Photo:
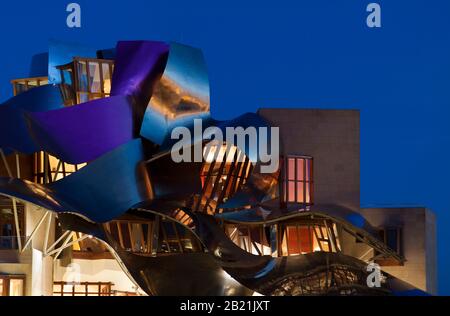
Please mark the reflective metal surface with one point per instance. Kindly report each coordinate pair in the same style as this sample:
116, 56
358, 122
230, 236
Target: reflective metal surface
83, 132
353, 222
101, 191
138, 65
318, 273
179, 96
125, 138
14, 133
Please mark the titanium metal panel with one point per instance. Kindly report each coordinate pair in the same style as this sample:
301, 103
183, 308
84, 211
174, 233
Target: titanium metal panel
138, 65
101, 191
83, 132
179, 96
14, 133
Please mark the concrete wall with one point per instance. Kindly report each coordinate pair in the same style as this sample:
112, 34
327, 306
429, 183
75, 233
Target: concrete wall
37, 270
419, 243
31, 263
331, 137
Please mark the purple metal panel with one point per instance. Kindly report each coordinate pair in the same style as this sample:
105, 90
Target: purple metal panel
83, 132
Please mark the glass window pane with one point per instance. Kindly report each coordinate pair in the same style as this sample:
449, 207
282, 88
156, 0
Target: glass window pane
308, 192
300, 191
291, 169
83, 97
293, 242
16, 287
106, 78
137, 233
300, 169
305, 239
291, 191
82, 76
94, 74
308, 163
391, 238
69, 168
67, 75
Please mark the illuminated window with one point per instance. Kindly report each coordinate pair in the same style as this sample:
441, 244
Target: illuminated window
301, 238
48, 169
25, 84
251, 238
288, 239
222, 173
86, 79
153, 236
61, 288
12, 285
8, 234
297, 184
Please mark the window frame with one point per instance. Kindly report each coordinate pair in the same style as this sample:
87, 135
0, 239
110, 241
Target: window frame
399, 231
7, 281
307, 180
21, 212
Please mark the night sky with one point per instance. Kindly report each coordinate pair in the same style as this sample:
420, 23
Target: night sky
306, 54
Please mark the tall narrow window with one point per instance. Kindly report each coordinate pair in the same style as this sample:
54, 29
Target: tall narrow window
8, 233
392, 237
297, 184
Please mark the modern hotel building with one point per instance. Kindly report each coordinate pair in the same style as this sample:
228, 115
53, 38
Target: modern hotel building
220, 227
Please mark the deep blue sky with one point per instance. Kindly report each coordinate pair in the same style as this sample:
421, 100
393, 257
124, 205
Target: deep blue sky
313, 53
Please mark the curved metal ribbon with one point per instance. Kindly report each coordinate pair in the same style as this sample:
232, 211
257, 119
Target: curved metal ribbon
14, 133
155, 88
101, 191
179, 96
83, 132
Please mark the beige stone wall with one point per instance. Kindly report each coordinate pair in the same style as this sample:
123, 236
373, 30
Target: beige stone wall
419, 243
331, 137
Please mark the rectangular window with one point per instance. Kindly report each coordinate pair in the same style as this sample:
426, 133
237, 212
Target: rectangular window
86, 79
12, 285
152, 237
8, 233
25, 84
392, 237
223, 172
297, 180
302, 238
